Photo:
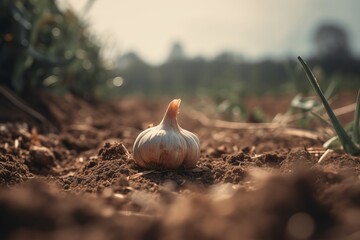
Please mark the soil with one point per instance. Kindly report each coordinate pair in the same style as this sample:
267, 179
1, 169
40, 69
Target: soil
75, 178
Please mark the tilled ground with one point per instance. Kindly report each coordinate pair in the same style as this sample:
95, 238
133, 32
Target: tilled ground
81, 182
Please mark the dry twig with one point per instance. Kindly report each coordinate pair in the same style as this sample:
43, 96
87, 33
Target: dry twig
326, 153
204, 120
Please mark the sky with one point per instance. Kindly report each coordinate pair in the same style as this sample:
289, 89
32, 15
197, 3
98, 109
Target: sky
254, 29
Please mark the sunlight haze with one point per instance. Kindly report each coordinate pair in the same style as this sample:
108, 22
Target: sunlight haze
253, 29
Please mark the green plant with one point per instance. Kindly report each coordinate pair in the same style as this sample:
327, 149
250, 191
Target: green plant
307, 109
45, 47
350, 144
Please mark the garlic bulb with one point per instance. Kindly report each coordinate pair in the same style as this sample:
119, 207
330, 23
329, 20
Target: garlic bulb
167, 145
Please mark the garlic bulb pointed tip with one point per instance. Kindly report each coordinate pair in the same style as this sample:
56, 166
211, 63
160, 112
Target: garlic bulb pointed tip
172, 110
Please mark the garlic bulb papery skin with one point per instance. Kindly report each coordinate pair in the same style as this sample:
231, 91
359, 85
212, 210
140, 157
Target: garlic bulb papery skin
167, 145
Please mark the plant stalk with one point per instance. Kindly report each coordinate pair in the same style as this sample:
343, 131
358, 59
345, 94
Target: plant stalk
347, 143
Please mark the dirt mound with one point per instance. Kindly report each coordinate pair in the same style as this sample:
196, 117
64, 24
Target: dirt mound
293, 207
81, 182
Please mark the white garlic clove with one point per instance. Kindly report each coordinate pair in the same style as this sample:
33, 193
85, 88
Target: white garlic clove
167, 145
193, 152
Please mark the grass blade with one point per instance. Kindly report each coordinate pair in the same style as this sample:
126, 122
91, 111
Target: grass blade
347, 143
323, 120
331, 89
356, 120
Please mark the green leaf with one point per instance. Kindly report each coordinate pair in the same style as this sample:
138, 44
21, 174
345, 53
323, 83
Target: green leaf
331, 89
302, 103
356, 120
348, 145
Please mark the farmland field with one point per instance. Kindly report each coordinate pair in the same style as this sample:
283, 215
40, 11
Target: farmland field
75, 177
89, 149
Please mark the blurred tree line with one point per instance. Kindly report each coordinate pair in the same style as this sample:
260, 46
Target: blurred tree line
45, 47
230, 74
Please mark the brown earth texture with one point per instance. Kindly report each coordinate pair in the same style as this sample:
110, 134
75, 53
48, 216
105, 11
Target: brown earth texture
75, 177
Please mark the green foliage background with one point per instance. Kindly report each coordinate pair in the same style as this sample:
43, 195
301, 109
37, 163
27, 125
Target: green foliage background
44, 47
